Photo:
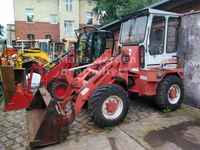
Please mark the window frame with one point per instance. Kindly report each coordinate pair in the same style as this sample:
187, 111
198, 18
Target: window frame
48, 35
31, 35
89, 17
56, 17
72, 30
165, 26
30, 13
69, 5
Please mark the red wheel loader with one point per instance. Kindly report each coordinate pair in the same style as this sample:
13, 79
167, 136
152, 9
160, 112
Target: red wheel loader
147, 64
84, 54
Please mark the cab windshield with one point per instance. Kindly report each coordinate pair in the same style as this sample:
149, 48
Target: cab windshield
133, 30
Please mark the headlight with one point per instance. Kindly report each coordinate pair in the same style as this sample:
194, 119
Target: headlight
125, 58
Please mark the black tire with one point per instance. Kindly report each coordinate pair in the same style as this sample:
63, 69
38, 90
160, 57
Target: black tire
50, 84
1, 90
1, 94
97, 100
56, 85
162, 101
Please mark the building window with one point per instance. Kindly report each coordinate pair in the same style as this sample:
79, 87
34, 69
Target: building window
69, 5
89, 18
53, 19
89, 1
69, 28
29, 15
31, 36
47, 36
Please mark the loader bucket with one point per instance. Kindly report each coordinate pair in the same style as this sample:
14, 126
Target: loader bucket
45, 124
8, 79
16, 96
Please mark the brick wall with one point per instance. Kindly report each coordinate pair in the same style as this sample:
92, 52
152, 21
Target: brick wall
39, 29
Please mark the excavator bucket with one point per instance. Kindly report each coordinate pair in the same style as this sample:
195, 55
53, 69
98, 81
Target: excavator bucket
16, 96
46, 125
8, 78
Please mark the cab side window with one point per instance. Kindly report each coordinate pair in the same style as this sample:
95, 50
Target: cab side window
102, 41
98, 43
157, 35
172, 35
109, 43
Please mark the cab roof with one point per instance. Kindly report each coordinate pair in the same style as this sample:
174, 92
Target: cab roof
145, 12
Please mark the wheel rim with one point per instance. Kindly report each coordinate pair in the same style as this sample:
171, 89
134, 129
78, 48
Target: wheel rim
112, 107
60, 92
174, 94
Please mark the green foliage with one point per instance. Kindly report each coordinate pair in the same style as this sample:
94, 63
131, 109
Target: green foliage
1, 30
116, 8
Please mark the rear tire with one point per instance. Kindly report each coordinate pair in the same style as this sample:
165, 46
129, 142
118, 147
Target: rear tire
108, 105
170, 93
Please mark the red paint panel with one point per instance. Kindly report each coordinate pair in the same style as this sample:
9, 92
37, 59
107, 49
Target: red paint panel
134, 56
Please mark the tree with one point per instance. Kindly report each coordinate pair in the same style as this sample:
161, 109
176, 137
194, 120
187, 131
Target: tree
116, 8
1, 30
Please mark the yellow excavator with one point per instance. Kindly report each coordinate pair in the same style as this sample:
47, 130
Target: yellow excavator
20, 58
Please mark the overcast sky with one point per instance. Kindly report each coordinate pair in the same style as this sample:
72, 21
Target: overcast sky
6, 12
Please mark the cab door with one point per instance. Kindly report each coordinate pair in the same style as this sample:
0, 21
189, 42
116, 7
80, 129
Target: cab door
171, 43
162, 44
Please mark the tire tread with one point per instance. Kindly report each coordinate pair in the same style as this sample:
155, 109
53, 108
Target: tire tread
96, 100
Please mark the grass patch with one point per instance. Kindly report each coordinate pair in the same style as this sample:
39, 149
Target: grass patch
109, 129
167, 110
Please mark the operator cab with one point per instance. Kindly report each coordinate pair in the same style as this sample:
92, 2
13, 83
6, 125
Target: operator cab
91, 44
155, 34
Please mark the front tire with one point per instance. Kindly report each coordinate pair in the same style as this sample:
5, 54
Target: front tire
50, 84
1, 94
108, 105
58, 91
170, 93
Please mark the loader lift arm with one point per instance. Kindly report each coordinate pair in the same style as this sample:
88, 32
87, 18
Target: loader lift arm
103, 71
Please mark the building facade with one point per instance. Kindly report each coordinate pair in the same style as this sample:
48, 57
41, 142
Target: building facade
10, 33
54, 19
